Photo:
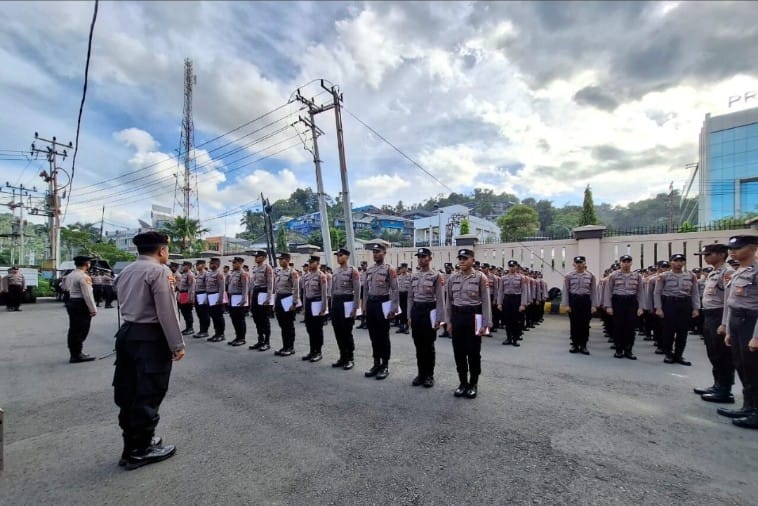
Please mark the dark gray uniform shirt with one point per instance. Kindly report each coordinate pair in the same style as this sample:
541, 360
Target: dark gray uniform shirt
672, 284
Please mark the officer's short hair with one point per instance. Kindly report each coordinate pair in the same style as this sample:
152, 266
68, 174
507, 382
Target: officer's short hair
149, 243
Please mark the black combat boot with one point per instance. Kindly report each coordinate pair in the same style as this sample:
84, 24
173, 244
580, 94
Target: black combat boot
374, 370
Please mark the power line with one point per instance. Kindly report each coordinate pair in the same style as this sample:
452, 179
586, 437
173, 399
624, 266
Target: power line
152, 195
81, 109
171, 159
208, 166
414, 162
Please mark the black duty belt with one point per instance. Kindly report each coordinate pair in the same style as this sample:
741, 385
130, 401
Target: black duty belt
674, 298
468, 309
740, 312
200, 292
183, 291
282, 295
343, 296
714, 310
424, 305
313, 299
378, 298
212, 293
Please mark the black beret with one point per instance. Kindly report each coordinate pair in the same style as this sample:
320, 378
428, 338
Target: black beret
215, 259
663, 263
403, 264
82, 259
713, 248
740, 241
187, 263
150, 239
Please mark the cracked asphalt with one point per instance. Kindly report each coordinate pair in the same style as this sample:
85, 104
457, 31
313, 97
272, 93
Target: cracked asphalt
548, 427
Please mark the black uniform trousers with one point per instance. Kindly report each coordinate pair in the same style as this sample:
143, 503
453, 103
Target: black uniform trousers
314, 325
97, 294
109, 295
719, 353
677, 315
143, 370
656, 328
13, 297
402, 318
378, 327
343, 327
203, 316
424, 335
260, 316
286, 321
467, 346
512, 316
579, 318
79, 321
624, 321
496, 318
216, 313
186, 310
237, 315
740, 327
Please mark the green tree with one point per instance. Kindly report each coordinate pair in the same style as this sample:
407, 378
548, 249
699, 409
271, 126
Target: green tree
465, 227
108, 251
546, 212
337, 235
185, 235
588, 208
281, 239
365, 234
520, 221
253, 222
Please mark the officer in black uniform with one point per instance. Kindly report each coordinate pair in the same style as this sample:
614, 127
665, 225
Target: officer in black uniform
146, 344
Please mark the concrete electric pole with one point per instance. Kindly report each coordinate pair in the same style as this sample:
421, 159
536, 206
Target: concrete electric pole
53, 199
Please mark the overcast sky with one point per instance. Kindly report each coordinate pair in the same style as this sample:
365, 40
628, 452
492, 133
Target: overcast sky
538, 99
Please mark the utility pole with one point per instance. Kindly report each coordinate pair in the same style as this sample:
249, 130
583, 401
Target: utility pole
671, 207
345, 196
102, 220
53, 199
326, 237
187, 126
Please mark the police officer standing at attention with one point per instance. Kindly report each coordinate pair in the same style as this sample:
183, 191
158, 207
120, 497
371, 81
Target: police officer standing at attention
467, 297
314, 293
97, 286
14, 285
215, 286
81, 308
580, 298
379, 287
624, 300
741, 327
719, 354
403, 285
286, 284
146, 344
239, 281
201, 299
425, 311
676, 302
262, 281
187, 297
346, 287
512, 301
108, 294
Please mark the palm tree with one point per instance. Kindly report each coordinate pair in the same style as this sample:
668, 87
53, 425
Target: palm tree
184, 234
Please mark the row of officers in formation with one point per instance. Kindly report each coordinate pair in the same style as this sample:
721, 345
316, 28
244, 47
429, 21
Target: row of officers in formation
151, 296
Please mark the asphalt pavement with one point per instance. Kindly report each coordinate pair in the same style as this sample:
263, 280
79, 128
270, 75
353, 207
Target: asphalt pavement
548, 427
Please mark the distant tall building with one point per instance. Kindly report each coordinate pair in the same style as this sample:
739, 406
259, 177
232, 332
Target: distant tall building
160, 215
728, 166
